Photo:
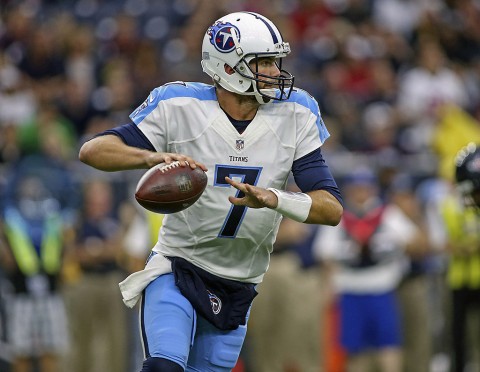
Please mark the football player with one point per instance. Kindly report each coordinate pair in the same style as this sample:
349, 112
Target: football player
462, 227
248, 131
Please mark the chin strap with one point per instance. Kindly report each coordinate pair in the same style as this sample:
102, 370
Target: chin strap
263, 99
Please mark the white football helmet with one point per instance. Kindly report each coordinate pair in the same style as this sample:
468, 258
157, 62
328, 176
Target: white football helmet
235, 40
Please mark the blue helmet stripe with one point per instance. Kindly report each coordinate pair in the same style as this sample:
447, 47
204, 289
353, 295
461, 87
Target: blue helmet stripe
272, 32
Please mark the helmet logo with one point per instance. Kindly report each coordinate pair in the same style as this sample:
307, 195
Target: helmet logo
220, 34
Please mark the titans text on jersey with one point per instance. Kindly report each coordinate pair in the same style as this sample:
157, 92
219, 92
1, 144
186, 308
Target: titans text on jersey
238, 158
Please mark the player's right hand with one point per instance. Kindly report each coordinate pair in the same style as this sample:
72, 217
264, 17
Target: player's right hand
169, 157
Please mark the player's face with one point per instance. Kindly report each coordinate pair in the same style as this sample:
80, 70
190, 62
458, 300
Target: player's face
265, 66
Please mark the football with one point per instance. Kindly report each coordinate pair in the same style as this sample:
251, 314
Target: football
170, 188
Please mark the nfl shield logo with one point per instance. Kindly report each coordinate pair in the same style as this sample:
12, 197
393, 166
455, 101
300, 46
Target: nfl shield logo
240, 144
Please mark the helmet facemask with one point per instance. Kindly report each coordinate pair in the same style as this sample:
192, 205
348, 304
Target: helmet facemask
278, 87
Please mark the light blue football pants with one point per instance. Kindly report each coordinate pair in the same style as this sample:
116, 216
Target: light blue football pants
172, 330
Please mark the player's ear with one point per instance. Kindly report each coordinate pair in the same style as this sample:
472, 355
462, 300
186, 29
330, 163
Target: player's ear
228, 69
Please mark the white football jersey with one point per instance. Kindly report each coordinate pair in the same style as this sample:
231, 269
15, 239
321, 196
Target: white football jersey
233, 242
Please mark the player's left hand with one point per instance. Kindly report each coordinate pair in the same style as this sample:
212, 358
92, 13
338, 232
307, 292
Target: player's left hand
255, 197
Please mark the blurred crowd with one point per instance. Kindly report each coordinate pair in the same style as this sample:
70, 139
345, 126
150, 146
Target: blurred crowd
398, 84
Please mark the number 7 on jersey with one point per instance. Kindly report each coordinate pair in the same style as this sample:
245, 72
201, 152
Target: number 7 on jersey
235, 216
